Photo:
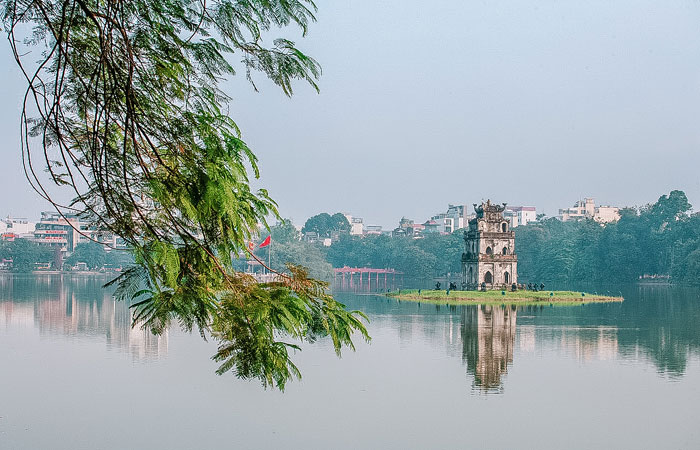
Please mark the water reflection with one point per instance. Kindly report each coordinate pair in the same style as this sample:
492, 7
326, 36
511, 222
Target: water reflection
488, 338
75, 307
655, 325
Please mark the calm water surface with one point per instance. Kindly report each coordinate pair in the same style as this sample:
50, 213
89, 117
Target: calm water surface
74, 375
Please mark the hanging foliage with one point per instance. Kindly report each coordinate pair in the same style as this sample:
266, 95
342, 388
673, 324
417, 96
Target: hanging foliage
123, 108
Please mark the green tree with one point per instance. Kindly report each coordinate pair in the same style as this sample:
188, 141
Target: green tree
119, 258
658, 238
93, 254
688, 269
302, 254
670, 208
25, 254
287, 248
123, 100
284, 232
325, 225
414, 258
340, 223
446, 249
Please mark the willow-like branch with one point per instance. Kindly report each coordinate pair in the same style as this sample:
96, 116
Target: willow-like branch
123, 108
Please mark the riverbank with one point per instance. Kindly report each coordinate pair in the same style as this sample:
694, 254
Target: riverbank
503, 297
79, 273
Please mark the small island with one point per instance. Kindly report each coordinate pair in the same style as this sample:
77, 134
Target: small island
490, 270
520, 297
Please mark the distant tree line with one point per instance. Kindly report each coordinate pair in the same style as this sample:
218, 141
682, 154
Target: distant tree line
95, 256
434, 255
661, 238
288, 248
26, 254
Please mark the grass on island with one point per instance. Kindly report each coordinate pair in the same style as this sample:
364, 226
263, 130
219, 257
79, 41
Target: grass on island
503, 297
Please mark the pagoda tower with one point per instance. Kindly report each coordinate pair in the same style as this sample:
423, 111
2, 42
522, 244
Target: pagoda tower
489, 260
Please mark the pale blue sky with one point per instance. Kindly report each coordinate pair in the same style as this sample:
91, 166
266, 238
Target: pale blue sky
428, 103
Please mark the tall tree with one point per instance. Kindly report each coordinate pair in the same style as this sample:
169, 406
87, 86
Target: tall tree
25, 254
92, 254
340, 223
123, 108
325, 225
284, 232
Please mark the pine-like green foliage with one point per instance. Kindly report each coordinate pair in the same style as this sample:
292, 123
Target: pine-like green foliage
123, 107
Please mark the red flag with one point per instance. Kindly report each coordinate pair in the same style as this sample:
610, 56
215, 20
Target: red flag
266, 242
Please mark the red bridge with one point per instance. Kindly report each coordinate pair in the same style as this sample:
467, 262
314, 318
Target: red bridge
360, 271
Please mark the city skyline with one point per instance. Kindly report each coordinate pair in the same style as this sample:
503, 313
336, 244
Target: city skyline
388, 226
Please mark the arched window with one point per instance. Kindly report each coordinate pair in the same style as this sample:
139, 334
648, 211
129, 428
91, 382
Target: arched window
505, 250
488, 278
471, 275
489, 251
504, 227
506, 277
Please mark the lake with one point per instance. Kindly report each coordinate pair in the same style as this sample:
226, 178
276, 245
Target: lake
74, 375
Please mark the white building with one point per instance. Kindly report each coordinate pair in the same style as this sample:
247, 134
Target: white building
586, 209
439, 223
57, 231
460, 217
582, 209
606, 214
520, 215
356, 224
17, 225
68, 230
456, 217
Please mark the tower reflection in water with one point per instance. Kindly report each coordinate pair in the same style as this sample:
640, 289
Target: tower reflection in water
488, 338
75, 307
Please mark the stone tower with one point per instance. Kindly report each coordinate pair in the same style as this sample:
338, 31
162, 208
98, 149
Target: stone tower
489, 260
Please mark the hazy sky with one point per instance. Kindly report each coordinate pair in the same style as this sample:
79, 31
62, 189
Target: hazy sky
428, 103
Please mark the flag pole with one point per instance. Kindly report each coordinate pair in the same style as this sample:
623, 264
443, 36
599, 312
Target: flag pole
269, 252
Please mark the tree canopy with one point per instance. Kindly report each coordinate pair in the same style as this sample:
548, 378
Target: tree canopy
24, 254
325, 225
425, 258
95, 256
123, 109
657, 239
286, 247
92, 254
662, 238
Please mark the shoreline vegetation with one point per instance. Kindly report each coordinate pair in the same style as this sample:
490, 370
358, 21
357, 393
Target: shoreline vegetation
564, 298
